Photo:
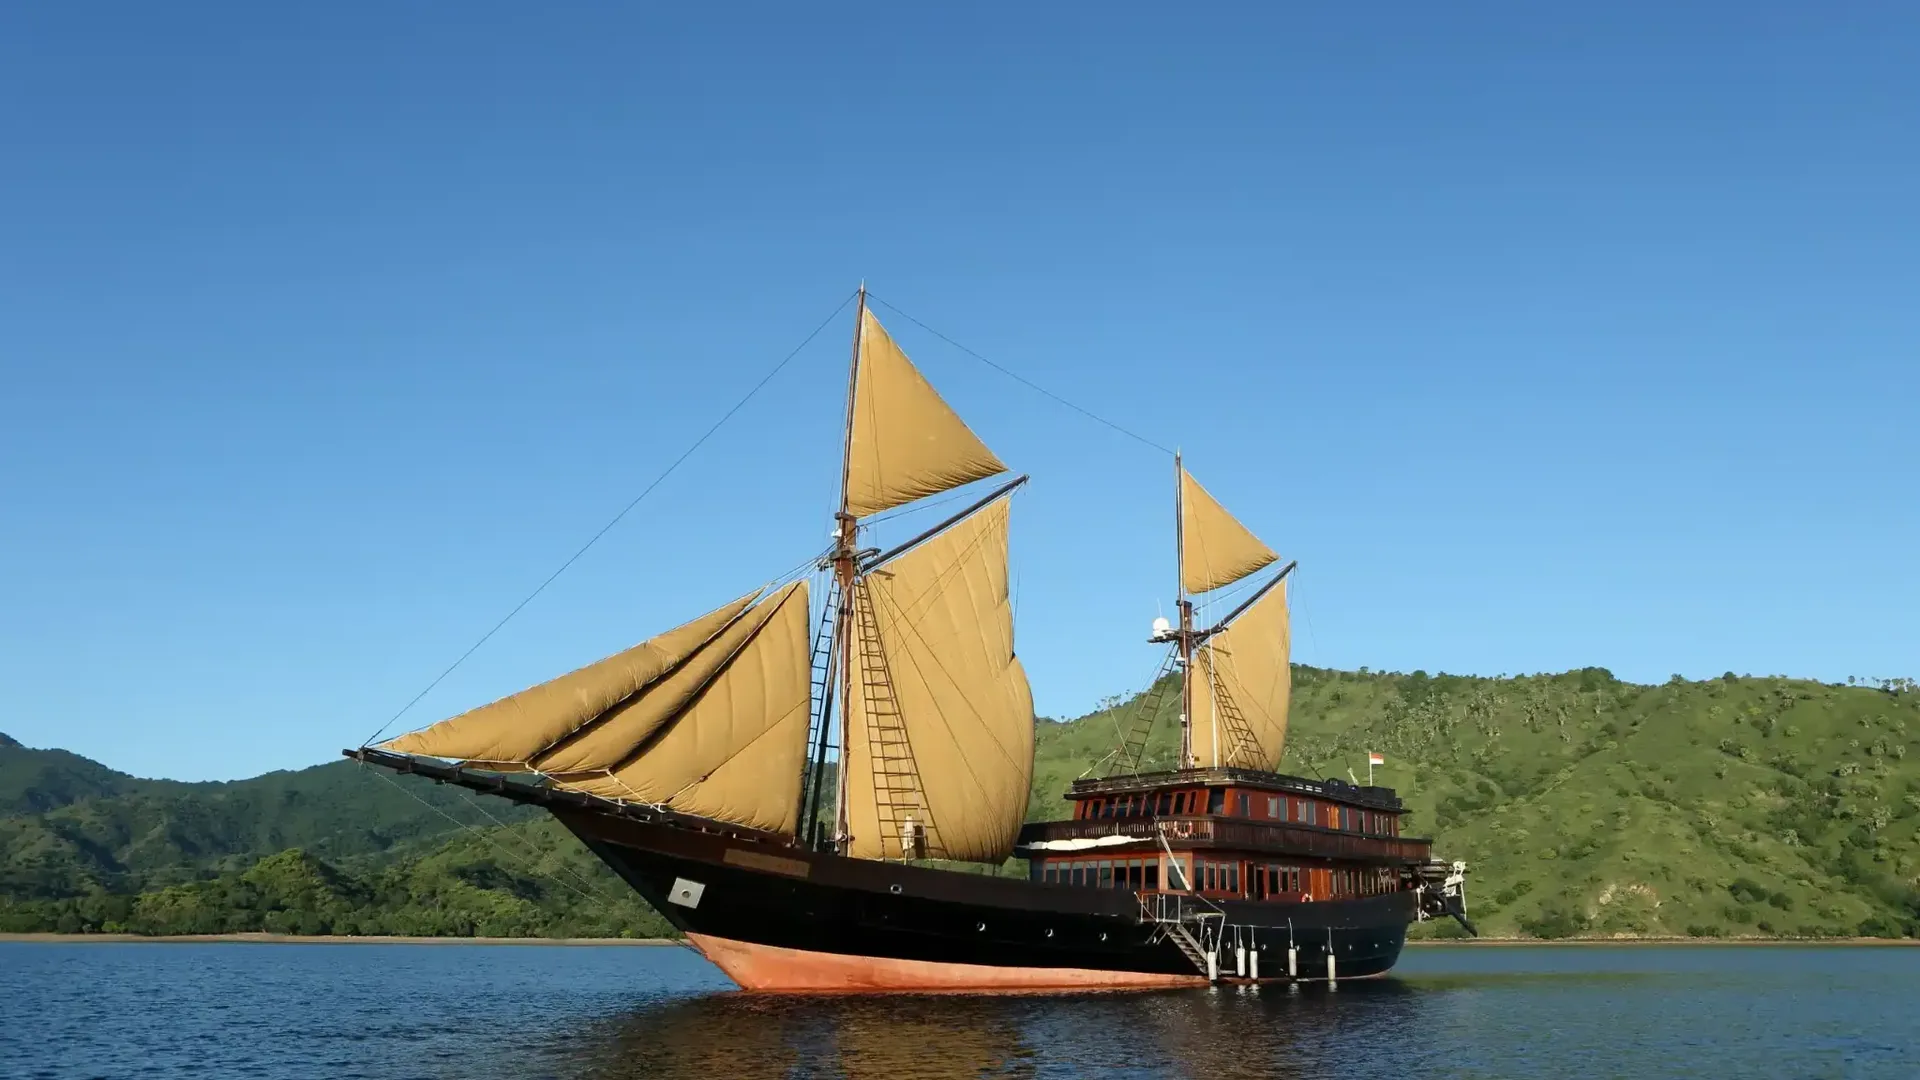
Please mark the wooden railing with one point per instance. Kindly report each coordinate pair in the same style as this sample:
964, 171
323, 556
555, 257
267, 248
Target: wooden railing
1339, 791
1191, 831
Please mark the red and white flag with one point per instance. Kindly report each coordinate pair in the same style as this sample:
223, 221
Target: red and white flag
1375, 759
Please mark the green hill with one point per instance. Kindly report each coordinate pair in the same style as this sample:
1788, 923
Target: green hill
1583, 805
70, 826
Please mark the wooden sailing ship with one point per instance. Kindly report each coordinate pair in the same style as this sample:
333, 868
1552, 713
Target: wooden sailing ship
789, 782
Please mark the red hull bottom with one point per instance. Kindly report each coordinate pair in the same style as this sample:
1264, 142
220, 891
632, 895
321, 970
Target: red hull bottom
772, 969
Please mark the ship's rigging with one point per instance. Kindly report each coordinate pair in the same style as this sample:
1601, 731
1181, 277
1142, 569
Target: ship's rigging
730, 715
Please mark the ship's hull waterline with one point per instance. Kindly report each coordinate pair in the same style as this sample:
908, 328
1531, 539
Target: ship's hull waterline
779, 919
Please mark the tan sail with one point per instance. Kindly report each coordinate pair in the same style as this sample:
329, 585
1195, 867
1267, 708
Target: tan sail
508, 733
1215, 549
735, 752
906, 442
951, 687
613, 739
1241, 686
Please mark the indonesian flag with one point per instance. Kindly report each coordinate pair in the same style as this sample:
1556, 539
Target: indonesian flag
1375, 759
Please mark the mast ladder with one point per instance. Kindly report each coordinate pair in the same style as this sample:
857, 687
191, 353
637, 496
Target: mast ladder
1133, 751
820, 708
897, 793
1246, 751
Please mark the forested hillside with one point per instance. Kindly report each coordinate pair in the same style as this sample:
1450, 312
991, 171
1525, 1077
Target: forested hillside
1584, 806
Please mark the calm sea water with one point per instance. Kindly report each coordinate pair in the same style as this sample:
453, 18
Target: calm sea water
460, 1011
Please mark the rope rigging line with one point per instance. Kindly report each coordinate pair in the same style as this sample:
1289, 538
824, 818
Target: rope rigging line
1021, 379
520, 835
483, 836
617, 518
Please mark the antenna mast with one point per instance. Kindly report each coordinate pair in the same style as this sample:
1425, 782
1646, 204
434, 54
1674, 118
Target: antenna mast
1186, 615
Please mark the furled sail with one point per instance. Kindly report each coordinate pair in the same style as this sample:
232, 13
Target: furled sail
1215, 549
709, 718
1241, 685
906, 442
508, 733
941, 728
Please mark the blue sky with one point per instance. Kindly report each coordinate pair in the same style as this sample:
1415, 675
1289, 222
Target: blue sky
1543, 337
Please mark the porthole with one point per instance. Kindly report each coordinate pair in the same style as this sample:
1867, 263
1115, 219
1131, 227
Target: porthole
1049, 931
1103, 937
894, 889
982, 928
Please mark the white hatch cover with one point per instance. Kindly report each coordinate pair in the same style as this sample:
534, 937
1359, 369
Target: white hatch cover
686, 893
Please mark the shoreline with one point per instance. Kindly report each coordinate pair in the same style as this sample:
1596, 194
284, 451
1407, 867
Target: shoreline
324, 939
1450, 943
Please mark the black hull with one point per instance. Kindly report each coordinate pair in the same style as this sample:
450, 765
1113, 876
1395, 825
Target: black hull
777, 917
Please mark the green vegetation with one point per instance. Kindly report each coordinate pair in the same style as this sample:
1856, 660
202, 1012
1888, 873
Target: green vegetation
1584, 806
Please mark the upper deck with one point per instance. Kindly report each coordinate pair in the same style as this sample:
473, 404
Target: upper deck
1257, 813
1250, 780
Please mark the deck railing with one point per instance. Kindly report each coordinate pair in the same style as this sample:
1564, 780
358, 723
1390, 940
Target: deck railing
1189, 831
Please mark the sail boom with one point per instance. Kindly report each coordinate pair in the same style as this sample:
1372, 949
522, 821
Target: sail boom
1202, 635
876, 561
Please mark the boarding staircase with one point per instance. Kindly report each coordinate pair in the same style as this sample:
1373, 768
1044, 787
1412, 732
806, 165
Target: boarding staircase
1192, 929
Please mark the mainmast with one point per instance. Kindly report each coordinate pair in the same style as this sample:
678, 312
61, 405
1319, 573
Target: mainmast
846, 569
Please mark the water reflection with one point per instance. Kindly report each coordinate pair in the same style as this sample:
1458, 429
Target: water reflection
403, 1012
1216, 1034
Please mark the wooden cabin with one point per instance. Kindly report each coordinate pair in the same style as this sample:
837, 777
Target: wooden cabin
1233, 834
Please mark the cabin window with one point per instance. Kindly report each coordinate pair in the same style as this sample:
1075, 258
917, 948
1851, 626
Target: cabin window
1233, 878
1152, 879
1246, 805
1273, 807
1216, 800
1105, 879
